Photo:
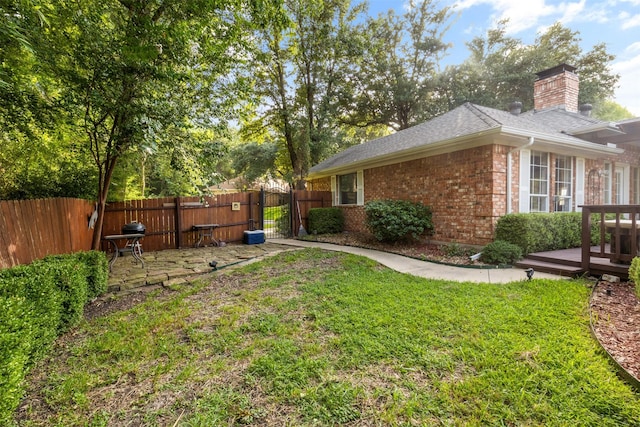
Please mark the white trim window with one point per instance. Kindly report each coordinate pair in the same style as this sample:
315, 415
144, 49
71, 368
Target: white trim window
539, 182
608, 174
563, 188
348, 189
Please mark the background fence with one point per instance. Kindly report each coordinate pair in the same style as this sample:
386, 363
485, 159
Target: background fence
32, 229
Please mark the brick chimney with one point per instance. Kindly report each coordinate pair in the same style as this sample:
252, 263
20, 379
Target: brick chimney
557, 86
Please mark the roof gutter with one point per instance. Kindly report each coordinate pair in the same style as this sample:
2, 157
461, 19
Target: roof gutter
510, 168
566, 142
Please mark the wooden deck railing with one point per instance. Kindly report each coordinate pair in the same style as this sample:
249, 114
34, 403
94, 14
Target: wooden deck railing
618, 233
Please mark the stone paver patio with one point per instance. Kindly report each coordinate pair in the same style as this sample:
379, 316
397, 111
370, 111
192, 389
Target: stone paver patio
176, 266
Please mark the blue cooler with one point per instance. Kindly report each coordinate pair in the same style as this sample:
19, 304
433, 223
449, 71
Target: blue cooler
253, 237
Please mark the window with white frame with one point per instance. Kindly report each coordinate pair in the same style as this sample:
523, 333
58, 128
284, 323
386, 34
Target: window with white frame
636, 186
608, 173
539, 182
348, 189
620, 188
562, 193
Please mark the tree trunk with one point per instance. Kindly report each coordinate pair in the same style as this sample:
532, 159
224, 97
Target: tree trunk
103, 190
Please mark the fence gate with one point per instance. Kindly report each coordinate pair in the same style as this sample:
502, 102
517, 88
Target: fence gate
276, 211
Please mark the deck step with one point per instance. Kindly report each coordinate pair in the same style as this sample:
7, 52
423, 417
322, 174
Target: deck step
552, 258
550, 267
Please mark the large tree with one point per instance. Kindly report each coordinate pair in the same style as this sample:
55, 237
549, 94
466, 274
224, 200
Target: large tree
501, 68
304, 62
394, 82
127, 70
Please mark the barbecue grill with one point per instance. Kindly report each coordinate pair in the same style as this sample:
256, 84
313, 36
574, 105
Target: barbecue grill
134, 228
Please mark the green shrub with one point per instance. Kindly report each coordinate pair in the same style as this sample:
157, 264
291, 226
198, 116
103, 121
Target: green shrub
70, 278
535, 232
456, 250
501, 252
37, 303
326, 221
97, 272
634, 274
394, 220
16, 338
283, 221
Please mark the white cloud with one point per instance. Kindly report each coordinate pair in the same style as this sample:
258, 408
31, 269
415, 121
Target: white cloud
633, 48
628, 93
631, 22
525, 15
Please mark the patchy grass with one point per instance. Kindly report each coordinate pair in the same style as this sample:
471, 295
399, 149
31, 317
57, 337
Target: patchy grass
323, 338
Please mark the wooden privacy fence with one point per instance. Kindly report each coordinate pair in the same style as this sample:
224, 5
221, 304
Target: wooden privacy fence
169, 221
33, 229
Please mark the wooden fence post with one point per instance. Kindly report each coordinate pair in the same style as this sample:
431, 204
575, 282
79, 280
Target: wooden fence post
178, 201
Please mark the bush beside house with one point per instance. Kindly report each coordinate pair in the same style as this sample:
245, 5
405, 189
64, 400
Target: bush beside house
536, 232
326, 220
38, 302
394, 220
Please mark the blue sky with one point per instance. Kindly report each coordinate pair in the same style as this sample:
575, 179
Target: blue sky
614, 22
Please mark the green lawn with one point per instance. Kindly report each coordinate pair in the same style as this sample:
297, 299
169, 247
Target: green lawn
323, 338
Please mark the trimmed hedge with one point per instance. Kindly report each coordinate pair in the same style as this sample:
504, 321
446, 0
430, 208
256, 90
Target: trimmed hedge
326, 221
394, 220
37, 303
536, 232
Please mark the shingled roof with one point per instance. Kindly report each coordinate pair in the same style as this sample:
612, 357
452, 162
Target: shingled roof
467, 120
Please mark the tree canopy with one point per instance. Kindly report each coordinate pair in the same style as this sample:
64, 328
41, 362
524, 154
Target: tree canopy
123, 75
501, 69
167, 97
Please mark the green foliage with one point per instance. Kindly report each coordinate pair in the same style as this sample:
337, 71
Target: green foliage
396, 78
500, 252
37, 303
283, 220
610, 111
394, 220
502, 68
535, 232
97, 270
70, 277
252, 160
456, 249
303, 70
326, 221
634, 274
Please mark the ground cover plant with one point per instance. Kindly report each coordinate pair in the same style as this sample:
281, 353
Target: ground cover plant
322, 338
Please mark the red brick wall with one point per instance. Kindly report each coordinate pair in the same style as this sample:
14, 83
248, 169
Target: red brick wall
466, 191
322, 184
560, 89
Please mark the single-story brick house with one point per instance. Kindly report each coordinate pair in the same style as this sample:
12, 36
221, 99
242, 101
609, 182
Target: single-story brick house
474, 164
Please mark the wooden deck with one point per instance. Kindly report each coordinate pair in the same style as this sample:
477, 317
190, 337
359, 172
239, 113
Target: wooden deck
567, 262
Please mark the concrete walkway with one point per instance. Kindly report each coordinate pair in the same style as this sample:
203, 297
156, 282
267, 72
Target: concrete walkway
176, 266
425, 269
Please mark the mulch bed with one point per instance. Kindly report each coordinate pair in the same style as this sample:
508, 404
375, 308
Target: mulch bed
615, 312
